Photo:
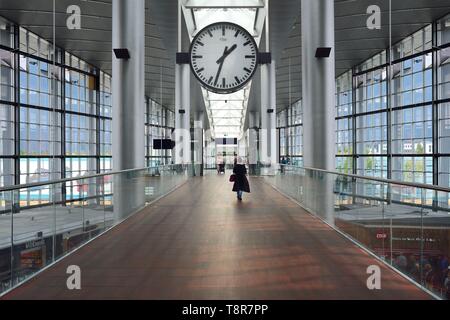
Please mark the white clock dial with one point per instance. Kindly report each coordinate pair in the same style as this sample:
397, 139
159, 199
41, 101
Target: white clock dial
224, 57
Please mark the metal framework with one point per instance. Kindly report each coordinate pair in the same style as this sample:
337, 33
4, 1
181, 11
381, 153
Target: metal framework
62, 110
390, 154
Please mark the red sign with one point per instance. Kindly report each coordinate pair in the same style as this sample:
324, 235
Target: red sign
381, 236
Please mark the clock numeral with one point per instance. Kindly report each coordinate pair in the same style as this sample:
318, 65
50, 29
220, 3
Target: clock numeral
200, 70
249, 57
237, 33
237, 80
247, 43
223, 31
210, 33
210, 80
247, 70
197, 57
223, 82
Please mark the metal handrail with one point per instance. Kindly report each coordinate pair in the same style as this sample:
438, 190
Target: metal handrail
389, 181
44, 183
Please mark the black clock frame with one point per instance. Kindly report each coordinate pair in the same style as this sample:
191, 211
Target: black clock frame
213, 89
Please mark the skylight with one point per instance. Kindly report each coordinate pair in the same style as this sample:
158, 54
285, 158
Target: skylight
226, 113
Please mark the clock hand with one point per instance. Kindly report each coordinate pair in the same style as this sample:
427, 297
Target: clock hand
226, 54
220, 67
218, 73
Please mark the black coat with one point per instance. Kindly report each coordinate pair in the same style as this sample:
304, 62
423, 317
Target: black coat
241, 182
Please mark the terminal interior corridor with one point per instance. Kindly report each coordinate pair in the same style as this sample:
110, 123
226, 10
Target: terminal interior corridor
121, 121
198, 242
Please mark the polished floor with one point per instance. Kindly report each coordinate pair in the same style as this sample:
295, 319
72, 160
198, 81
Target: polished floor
200, 243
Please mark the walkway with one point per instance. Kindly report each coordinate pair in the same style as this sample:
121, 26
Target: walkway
200, 243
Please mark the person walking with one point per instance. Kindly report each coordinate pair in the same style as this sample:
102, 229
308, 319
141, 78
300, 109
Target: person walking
241, 183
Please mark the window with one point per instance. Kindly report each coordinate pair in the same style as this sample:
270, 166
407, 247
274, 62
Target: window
80, 92
6, 172
156, 128
344, 95
413, 169
40, 132
371, 94
37, 170
344, 164
77, 167
105, 95
444, 172
6, 130
444, 128
39, 82
412, 131
371, 134
372, 166
412, 81
344, 139
444, 73
6, 76
80, 135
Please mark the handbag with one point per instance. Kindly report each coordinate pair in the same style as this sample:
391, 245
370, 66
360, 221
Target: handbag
233, 178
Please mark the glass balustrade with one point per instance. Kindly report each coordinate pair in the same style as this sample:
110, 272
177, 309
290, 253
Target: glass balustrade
42, 222
406, 225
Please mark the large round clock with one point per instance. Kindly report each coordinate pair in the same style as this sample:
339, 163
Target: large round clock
223, 57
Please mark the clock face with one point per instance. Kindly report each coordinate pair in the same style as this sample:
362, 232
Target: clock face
224, 57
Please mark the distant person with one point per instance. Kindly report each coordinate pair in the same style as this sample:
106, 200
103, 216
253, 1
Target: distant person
401, 262
241, 184
447, 284
283, 164
428, 275
220, 166
413, 267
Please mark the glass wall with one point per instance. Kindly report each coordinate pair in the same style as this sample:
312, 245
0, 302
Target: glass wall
290, 128
159, 125
393, 120
7, 108
56, 116
344, 125
105, 122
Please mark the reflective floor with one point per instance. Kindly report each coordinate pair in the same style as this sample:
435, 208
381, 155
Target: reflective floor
200, 243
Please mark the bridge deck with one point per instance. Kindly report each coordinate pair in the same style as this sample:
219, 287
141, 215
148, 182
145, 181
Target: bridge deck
200, 243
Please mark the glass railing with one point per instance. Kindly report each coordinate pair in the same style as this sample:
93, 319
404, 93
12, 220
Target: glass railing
42, 222
407, 225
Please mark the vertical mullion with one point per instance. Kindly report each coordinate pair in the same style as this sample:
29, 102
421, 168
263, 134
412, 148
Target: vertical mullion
354, 153
16, 105
63, 125
389, 79
147, 129
98, 120
354, 145
435, 112
98, 129
389, 113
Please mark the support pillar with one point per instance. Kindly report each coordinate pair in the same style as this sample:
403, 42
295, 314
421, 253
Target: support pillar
253, 152
272, 118
264, 125
318, 84
318, 91
199, 123
268, 135
128, 80
182, 114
